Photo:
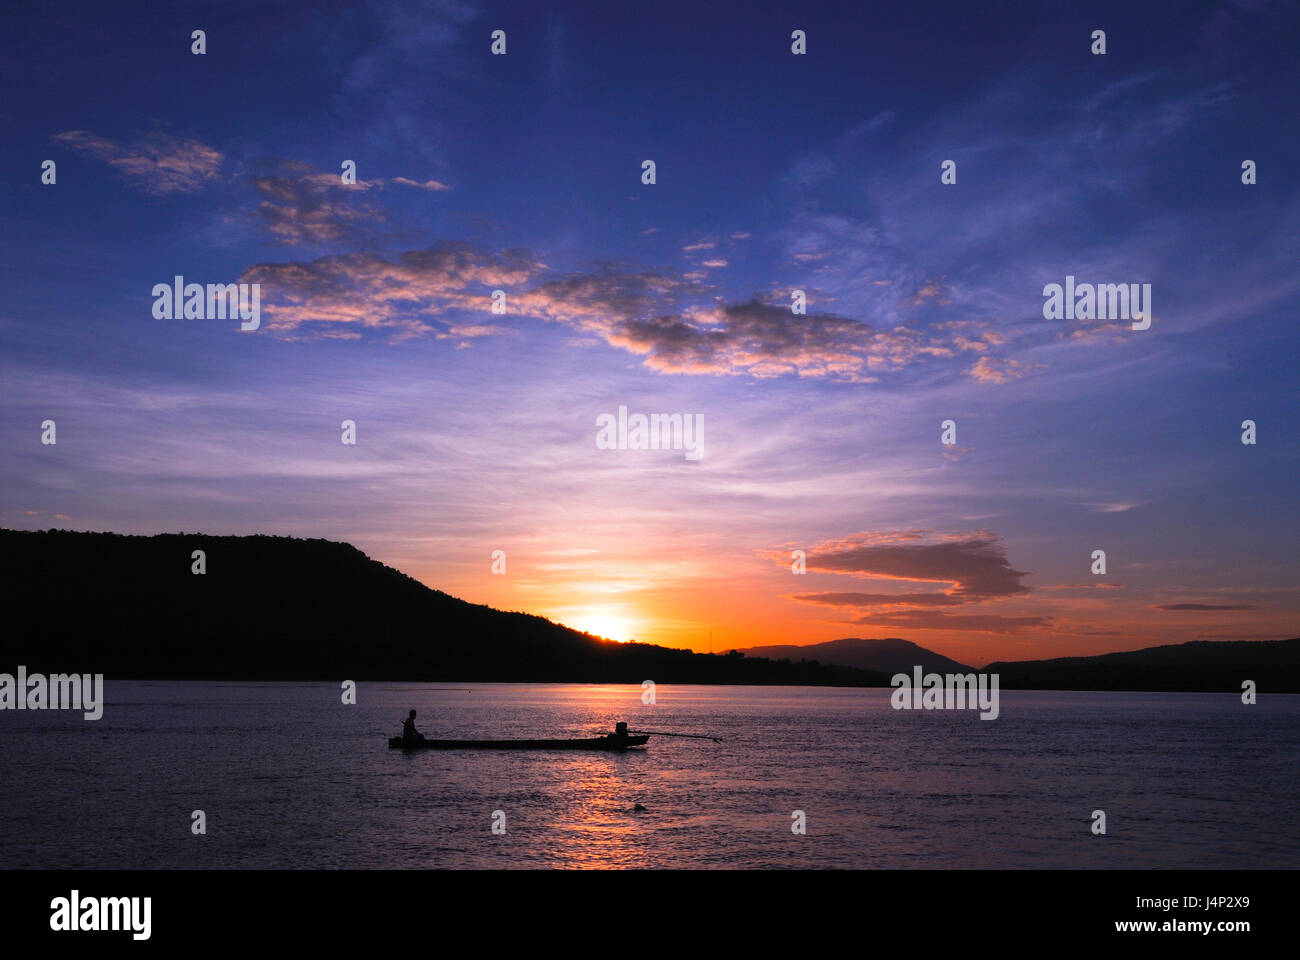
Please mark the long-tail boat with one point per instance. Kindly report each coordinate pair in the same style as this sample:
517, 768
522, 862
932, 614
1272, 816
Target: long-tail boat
609, 742
619, 740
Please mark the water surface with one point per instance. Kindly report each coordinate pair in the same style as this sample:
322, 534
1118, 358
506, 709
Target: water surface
289, 776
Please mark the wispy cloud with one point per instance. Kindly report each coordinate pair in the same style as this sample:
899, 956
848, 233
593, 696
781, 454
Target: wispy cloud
983, 623
301, 205
990, 370
158, 164
1121, 507
1202, 606
431, 185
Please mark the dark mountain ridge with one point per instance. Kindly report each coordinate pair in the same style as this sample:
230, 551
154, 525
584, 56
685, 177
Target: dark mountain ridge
280, 608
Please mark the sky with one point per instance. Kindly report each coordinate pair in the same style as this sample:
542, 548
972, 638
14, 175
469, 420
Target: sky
774, 172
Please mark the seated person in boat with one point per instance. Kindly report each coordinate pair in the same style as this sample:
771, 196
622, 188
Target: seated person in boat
409, 733
620, 732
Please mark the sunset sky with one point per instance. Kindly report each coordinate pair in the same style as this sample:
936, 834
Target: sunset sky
775, 172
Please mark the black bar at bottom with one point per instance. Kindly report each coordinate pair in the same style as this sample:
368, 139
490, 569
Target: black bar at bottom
875, 909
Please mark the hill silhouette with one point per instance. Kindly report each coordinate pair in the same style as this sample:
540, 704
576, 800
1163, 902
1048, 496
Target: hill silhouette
888, 655
280, 608
1204, 665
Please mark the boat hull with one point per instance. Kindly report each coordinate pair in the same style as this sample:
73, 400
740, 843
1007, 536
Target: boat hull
592, 743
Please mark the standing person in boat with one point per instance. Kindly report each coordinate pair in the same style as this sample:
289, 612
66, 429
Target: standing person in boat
409, 733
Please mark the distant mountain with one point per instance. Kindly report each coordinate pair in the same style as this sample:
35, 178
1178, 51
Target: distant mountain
889, 655
287, 609
1202, 665
1199, 666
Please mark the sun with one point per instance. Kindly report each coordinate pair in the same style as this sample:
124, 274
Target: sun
606, 625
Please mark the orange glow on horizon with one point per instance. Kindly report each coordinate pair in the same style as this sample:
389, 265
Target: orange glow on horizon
714, 600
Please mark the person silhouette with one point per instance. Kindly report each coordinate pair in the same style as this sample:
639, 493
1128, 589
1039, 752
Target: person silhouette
409, 733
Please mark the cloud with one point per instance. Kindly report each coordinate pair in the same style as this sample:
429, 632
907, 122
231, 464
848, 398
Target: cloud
470, 331
1202, 606
602, 301
956, 453
989, 263
1119, 507
965, 343
974, 564
159, 164
930, 293
982, 623
1084, 586
989, 370
879, 599
303, 205
1118, 88
404, 294
672, 320
763, 340
433, 185
811, 169
397, 92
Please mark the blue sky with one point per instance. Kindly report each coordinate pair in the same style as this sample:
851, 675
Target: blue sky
775, 172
